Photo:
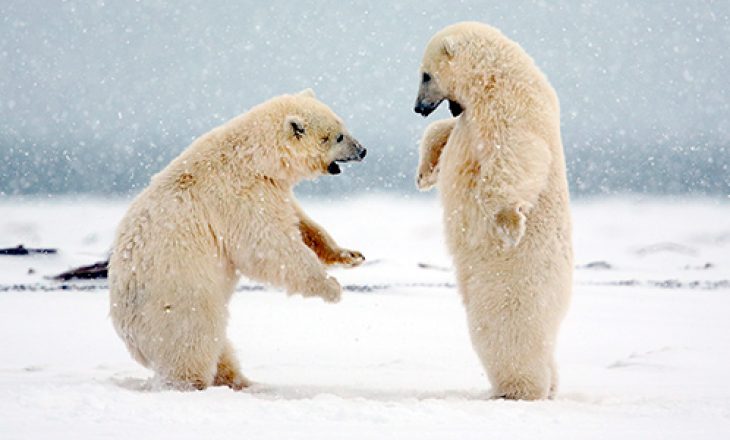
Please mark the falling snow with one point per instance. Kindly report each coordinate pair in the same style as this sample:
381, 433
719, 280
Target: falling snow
126, 86
97, 96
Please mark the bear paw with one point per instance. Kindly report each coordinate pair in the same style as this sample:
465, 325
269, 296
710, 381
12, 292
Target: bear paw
426, 178
239, 384
350, 258
236, 382
327, 288
510, 226
331, 290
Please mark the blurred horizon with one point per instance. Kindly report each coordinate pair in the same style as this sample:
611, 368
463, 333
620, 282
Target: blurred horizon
95, 97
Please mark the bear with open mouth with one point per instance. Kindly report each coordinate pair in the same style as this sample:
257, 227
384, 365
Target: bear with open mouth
222, 209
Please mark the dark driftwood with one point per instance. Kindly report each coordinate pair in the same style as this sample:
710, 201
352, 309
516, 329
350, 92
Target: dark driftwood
22, 250
94, 271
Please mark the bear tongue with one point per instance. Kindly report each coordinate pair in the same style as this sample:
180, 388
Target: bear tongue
333, 168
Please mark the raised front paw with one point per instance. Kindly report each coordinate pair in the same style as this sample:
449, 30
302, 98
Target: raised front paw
349, 258
426, 178
510, 226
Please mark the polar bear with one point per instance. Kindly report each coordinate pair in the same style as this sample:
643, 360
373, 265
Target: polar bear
500, 170
223, 208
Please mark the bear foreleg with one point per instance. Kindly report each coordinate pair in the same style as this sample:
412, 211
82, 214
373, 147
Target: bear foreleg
432, 144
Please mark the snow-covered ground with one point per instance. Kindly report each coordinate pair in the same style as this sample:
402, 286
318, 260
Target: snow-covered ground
644, 352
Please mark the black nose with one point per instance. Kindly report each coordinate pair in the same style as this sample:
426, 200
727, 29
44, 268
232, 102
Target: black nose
425, 108
363, 153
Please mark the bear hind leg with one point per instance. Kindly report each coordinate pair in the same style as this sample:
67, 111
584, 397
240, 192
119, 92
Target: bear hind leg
190, 364
228, 372
191, 375
517, 369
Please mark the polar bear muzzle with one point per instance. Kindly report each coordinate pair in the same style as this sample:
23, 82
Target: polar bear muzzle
430, 95
425, 107
347, 149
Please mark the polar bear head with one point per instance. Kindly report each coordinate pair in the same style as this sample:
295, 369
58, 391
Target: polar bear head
460, 61
311, 139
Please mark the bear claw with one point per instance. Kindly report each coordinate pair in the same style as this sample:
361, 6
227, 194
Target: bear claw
350, 258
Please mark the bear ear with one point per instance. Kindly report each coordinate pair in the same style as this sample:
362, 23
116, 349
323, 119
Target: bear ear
308, 93
448, 46
295, 125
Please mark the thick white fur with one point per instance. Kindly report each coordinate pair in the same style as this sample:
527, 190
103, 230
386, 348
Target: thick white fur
223, 208
501, 175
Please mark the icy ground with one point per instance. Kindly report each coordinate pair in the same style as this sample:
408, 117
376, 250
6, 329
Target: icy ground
644, 352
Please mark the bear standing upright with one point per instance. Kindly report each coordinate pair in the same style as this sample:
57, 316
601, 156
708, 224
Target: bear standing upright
500, 169
223, 208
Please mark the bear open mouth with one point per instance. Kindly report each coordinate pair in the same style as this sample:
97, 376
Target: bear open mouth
333, 168
455, 108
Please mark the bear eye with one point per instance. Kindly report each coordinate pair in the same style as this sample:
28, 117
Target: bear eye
426, 77
340, 137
